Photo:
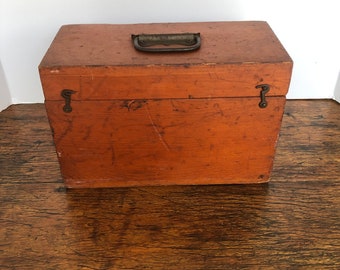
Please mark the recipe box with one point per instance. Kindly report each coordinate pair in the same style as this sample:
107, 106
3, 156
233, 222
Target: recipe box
165, 104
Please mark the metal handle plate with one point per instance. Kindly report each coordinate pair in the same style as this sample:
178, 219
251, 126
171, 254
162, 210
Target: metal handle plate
183, 42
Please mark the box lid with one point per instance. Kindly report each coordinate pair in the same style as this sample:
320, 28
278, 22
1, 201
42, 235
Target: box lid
234, 57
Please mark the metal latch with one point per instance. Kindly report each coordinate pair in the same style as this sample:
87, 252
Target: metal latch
265, 89
66, 94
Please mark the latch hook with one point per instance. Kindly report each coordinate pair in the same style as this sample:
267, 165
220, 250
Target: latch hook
265, 89
66, 94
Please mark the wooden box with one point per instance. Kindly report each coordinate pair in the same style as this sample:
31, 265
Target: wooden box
208, 112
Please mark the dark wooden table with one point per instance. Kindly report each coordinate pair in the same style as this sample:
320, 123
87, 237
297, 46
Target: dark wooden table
293, 222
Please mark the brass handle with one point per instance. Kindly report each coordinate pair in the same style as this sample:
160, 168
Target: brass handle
167, 42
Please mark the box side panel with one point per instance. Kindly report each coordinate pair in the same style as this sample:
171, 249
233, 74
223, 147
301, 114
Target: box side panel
162, 142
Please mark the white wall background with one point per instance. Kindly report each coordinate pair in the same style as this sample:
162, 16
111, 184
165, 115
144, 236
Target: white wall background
309, 29
337, 90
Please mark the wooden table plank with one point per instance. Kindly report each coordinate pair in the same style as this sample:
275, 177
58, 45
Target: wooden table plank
309, 145
182, 227
26, 146
293, 222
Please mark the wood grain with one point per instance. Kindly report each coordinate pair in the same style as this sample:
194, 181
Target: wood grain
290, 223
162, 142
314, 152
194, 117
100, 62
91, 45
156, 82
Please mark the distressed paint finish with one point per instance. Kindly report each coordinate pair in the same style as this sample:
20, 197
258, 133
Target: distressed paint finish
161, 119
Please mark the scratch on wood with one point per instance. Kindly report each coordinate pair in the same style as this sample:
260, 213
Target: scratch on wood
160, 136
64, 133
134, 104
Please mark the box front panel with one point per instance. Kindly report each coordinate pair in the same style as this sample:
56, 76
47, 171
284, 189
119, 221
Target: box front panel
152, 82
170, 141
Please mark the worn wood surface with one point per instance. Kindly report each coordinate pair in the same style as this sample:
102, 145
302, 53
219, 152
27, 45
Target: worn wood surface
160, 142
100, 62
290, 223
111, 45
157, 119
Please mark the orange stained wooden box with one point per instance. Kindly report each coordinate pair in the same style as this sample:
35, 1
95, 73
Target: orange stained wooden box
209, 114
